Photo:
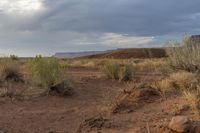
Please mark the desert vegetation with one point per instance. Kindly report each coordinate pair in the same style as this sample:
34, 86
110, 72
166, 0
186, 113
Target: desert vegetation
184, 57
9, 69
45, 71
106, 93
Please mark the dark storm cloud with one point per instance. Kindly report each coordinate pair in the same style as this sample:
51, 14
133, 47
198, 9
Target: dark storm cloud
75, 25
139, 17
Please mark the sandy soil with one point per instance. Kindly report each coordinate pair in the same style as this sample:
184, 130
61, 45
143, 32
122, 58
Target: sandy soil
93, 94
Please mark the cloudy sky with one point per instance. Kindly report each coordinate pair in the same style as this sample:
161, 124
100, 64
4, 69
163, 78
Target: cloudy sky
30, 27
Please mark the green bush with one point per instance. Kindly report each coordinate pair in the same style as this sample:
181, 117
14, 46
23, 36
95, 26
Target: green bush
14, 57
184, 55
45, 71
113, 70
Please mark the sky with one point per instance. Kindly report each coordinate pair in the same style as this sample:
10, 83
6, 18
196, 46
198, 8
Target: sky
31, 27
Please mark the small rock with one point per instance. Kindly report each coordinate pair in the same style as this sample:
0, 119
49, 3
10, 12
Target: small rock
180, 124
3, 131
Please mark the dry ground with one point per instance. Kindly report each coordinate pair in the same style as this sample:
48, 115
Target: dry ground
93, 96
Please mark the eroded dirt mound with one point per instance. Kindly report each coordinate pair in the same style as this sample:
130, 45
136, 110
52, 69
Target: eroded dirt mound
135, 98
63, 89
94, 124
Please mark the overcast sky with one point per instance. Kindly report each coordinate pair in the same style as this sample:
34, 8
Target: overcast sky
30, 27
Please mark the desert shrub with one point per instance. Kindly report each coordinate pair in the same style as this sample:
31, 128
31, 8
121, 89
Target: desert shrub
125, 73
46, 71
9, 69
114, 70
184, 55
111, 69
14, 57
64, 64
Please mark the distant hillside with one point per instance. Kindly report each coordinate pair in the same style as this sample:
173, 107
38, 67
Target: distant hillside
131, 53
78, 54
195, 38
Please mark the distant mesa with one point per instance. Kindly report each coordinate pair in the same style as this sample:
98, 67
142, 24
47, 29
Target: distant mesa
78, 54
117, 54
195, 38
125, 53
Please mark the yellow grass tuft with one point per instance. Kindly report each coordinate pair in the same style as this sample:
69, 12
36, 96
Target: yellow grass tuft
184, 80
193, 98
114, 70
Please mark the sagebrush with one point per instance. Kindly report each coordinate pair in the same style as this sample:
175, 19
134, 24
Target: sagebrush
114, 70
184, 55
46, 71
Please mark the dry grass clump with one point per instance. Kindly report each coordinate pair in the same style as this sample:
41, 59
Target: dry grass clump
64, 64
193, 98
151, 66
180, 81
46, 72
9, 70
184, 55
113, 70
163, 86
184, 80
126, 73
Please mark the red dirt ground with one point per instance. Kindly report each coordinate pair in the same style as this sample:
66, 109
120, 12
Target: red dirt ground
92, 95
